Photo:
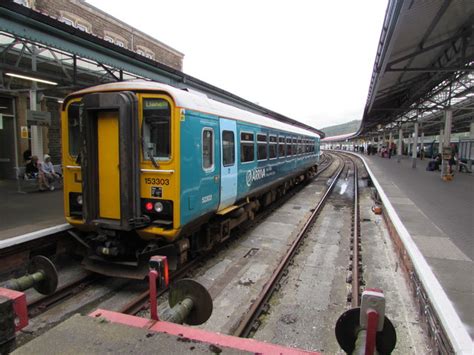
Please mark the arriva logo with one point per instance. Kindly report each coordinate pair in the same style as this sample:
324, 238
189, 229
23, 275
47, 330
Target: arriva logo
254, 175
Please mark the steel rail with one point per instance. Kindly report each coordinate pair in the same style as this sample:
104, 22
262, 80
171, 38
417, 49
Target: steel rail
355, 300
247, 322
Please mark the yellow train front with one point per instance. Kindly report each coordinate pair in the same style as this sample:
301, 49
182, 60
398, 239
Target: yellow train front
150, 169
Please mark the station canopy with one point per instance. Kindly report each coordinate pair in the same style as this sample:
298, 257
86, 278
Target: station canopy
423, 66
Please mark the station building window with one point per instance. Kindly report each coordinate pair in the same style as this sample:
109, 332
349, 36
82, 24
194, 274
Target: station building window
208, 148
228, 148
247, 147
82, 27
73, 117
272, 148
156, 129
262, 146
67, 21
281, 147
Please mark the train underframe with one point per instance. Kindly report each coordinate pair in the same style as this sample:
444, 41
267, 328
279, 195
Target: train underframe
125, 254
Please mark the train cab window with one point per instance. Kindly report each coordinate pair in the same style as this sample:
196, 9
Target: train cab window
207, 149
156, 129
281, 147
261, 146
247, 147
228, 148
73, 119
272, 148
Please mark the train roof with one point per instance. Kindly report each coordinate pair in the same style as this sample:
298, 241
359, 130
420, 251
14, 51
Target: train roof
198, 102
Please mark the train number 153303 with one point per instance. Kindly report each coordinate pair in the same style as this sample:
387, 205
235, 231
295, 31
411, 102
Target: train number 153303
157, 181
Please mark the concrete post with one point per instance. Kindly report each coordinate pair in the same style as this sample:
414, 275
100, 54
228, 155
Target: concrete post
471, 135
415, 145
389, 145
36, 131
422, 144
446, 141
400, 143
379, 143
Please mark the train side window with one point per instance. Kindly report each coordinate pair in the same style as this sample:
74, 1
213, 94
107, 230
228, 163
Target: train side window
156, 129
281, 147
273, 147
294, 147
228, 148
247, 147
261, 146
300, 146
74, 131
288, 146
207, 148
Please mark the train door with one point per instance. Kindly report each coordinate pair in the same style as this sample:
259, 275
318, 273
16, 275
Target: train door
228, 133
108, 164
110, 160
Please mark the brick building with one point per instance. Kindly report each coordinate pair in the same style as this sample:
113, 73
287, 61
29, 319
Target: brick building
83, 16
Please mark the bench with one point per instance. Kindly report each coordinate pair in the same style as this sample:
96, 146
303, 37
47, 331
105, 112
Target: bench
26, 184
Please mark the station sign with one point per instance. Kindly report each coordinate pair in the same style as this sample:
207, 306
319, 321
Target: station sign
40, 118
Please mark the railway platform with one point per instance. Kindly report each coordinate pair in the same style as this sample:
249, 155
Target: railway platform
439, 217
25, 213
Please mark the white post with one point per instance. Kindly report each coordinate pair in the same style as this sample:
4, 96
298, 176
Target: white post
389, 147
422, 145
445, 143
400, 143
36, 131
415, 145
470, 154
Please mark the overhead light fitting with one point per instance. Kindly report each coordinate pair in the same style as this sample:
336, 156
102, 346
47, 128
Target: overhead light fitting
31, 78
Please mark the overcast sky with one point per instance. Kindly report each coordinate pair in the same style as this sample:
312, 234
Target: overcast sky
310, 60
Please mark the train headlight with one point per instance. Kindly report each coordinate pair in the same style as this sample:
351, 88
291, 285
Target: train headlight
158, 207
79, 199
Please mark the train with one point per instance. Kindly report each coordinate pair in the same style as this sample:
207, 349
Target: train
151, 169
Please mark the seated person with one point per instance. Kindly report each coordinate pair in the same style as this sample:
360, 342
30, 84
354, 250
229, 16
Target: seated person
32, 171
32, 168
47, 169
